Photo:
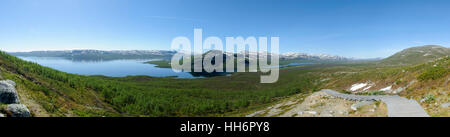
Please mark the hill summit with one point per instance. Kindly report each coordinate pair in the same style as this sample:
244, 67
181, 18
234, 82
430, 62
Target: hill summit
417, 55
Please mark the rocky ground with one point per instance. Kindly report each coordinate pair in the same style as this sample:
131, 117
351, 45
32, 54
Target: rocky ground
9, 101
321, 104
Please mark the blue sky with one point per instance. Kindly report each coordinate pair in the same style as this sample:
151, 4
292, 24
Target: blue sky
351, 28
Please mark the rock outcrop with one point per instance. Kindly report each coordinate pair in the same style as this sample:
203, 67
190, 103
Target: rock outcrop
8, 93
10, 82
18, 110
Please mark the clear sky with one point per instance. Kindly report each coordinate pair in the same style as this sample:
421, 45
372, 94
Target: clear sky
351, 28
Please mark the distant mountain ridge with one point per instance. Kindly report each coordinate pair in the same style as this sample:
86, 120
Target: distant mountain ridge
160, 54
99, 54
306, 56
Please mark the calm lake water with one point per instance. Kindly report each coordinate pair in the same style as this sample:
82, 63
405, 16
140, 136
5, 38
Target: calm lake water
114, 68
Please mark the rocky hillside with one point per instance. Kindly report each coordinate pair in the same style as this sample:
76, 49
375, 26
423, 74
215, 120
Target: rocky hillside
417, 55
9, 101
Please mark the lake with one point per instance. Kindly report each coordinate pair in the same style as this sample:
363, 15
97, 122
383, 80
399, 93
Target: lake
114, 68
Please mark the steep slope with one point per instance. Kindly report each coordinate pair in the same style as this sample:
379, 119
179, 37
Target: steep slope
417, 55
48, 92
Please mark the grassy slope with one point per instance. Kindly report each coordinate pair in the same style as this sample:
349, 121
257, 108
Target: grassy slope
63, 94
416, 55
57, 98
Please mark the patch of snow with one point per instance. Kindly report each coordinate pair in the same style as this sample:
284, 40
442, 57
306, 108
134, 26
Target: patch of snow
398, 90
358, 86
388, 88
368, 87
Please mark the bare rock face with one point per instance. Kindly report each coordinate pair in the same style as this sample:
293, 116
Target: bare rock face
8, 93
18, 110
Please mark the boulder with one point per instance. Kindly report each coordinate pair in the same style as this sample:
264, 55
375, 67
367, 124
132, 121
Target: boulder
8, 93
10, 82
18, 110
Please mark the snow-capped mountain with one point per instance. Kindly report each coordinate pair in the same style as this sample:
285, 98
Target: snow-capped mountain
124, 52
163, 54
296, 55
100, 54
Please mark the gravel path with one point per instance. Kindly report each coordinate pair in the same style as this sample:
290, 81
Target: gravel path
397, 106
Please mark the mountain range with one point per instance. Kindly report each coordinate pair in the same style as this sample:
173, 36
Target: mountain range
99, 54
160, 54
